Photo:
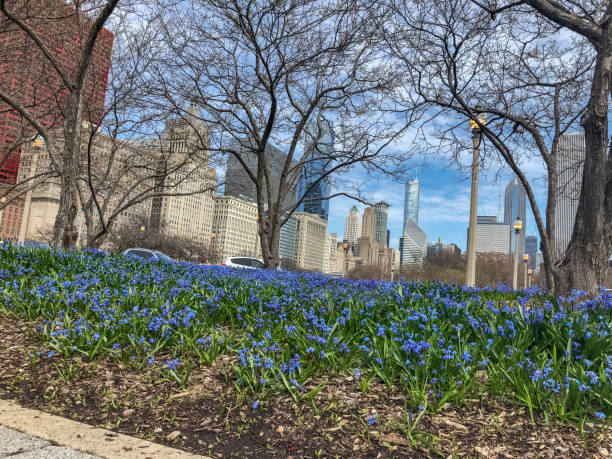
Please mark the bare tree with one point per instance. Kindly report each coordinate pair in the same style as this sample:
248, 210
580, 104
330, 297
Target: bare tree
286, 74
134, 153
532, 85
64, 52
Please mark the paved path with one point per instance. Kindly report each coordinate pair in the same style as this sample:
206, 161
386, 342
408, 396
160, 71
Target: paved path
33, 434
21, 446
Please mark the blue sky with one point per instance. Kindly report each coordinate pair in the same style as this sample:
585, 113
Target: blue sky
444, 201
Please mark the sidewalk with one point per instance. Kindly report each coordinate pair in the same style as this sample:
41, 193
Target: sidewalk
33, 434
21, 446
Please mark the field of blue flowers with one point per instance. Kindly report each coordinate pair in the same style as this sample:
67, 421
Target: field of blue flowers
436, 343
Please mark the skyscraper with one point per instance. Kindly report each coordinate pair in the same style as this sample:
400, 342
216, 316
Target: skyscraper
381, 211
189, 213
286, 239
352, 226
413, 245
411, 202
515, 207
312, 190
237, 181
368, 226
570, 164
310, 241
531, 248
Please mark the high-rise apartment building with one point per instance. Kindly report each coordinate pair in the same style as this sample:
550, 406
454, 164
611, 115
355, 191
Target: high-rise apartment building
368, 225
237, 180
413, 245
570, 164
381, 211
352, 227
411, 202
515, 207
310, 241
329, 258
28, 77
286, 239
188, 211
234, 227
531, 249
492, 236
311, 185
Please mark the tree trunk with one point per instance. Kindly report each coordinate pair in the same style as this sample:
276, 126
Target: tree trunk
65, 233
269, 239
586, 259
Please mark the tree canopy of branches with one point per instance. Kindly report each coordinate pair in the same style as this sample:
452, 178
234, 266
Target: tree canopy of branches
279, 74
55, 57
536, 70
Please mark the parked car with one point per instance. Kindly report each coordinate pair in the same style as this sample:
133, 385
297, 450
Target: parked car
147, 254
36, 245
244, 262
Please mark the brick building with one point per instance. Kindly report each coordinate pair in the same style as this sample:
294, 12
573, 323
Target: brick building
28, 77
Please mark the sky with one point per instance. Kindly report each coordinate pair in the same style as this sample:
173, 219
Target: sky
444, 201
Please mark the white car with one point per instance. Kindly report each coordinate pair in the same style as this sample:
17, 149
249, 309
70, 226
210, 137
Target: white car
244, 262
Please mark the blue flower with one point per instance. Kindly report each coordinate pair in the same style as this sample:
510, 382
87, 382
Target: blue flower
371, 420
255, 405
600, 415
172, 364
357, 373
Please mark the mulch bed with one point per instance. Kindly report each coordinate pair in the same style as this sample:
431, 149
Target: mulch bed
207, 419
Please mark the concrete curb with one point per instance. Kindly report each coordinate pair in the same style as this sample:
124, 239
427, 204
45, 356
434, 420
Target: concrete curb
83, 437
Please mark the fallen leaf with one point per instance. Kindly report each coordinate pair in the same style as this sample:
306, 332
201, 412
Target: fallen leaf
173, 435
395, 439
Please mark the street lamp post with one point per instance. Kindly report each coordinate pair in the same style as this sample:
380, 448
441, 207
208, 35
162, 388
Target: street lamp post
525, 262
529, 272
518, 225
471, 255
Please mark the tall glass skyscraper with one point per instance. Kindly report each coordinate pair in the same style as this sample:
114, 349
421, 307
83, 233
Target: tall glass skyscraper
413, 243
323, 149
515, 206
381, 210
411, 202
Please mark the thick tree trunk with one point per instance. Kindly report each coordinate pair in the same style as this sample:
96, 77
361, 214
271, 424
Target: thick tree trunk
269, 243
65, 233
587, 255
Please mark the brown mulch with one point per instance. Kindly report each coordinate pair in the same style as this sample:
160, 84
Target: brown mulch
206, 418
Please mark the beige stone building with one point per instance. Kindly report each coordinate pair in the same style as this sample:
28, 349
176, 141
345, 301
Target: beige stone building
329, 260
188, 209
234, 227
310, 241
368, 225
114, 189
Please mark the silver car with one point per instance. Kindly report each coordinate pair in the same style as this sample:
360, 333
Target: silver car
147, 254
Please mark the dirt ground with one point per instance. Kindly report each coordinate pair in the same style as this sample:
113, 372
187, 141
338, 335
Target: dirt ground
208, 418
